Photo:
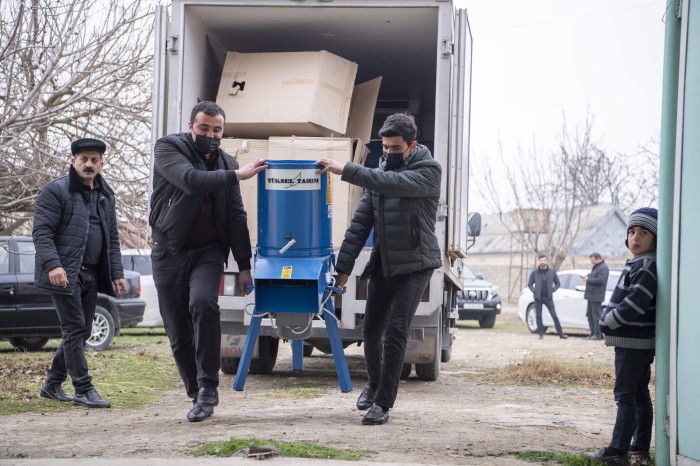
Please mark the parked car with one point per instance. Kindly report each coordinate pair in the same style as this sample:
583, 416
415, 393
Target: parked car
568, 301
28, 317
139, 260
478, 300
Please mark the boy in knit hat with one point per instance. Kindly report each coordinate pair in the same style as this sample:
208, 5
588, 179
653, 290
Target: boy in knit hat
629, 324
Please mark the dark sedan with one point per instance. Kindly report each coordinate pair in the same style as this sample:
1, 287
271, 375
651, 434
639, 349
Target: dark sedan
28, 317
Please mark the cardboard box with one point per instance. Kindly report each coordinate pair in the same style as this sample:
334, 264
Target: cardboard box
286, 93
345, 195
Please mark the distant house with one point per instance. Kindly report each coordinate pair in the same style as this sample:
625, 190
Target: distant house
500, 256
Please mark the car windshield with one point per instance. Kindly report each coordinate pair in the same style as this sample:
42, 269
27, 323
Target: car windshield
468, 274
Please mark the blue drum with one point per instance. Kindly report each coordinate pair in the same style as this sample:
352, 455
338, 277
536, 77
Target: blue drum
294, 210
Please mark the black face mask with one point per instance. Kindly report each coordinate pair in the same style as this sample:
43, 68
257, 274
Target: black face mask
206, 144
393, 161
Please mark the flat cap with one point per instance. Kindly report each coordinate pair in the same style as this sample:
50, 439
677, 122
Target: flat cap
82, 145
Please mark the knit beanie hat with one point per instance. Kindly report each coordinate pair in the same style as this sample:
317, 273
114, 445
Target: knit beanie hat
646, 217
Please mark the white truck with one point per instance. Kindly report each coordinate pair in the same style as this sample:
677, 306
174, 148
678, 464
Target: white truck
422, 51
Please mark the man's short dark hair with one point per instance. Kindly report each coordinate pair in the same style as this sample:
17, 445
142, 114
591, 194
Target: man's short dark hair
208, 108
541, 256
595, 255
399, 124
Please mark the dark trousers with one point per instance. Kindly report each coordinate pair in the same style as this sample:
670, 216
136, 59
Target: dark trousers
549, 302
391, 304
593, 311
188, 293
635, 413
75, 313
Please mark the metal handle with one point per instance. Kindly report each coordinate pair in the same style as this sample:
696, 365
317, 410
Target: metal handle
289, 244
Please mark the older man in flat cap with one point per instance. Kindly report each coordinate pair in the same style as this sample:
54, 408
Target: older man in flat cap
77, 255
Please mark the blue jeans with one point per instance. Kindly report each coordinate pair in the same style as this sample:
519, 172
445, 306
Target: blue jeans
75, 313
391, 304
635, 412
188, 296
549, 302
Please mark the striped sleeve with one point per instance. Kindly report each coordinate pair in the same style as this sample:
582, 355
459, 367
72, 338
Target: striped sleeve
638, 300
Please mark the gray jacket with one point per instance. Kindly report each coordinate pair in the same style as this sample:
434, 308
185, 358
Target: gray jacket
401, 205
597, 283
540, 279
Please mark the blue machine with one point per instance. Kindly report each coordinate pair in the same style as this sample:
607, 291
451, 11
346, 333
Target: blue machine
293, 280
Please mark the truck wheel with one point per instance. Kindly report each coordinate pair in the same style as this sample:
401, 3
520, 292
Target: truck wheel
103, 329
267, 356
487, 322
531, 319
28, 343
230, 365
308, 350
405, 371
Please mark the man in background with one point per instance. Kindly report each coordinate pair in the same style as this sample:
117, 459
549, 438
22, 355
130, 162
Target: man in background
596, 283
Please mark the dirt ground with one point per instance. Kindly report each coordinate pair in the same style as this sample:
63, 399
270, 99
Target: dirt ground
454, 420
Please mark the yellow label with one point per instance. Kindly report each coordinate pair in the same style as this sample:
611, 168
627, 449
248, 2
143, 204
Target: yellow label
287, 272
329, 189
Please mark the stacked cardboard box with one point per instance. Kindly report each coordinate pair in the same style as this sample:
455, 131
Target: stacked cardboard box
297, 106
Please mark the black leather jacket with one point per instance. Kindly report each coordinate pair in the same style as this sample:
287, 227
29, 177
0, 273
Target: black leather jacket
180, 181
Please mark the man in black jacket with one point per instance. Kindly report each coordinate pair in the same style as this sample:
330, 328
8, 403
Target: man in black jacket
197, 217
543, 282
400, 202
77, 255
596, 283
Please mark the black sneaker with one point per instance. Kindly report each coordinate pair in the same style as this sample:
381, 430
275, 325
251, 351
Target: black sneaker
605, 456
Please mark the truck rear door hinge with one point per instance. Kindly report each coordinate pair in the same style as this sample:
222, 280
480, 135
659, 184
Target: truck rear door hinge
442, 210
172, 45
448, 48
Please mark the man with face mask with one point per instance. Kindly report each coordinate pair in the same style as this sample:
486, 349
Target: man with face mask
77, 255
197, 217
400, 201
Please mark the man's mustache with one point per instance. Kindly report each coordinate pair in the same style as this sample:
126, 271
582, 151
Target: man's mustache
88, 170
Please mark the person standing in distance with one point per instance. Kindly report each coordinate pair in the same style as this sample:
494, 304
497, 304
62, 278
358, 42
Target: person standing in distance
197, 217
77, 254
596, 283
543, 282
400, 201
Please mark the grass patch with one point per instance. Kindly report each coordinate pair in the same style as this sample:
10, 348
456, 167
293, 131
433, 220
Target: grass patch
549, 457
567, 459
128, 374
290, 450
544, 371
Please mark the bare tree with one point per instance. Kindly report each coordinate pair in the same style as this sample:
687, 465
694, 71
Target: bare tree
72, 69
546, 192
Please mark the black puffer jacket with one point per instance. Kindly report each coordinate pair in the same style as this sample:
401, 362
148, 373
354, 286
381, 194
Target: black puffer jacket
401, 205
180, 181
541, 279
61, 226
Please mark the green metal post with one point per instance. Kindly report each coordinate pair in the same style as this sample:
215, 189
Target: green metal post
666, 180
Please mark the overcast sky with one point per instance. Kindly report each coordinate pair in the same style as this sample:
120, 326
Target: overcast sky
536, 60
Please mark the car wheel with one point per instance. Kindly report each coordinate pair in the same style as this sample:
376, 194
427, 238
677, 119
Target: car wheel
230, 365
103, 329
28, 343
487, 322
531, 319
405, 371
267, 356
